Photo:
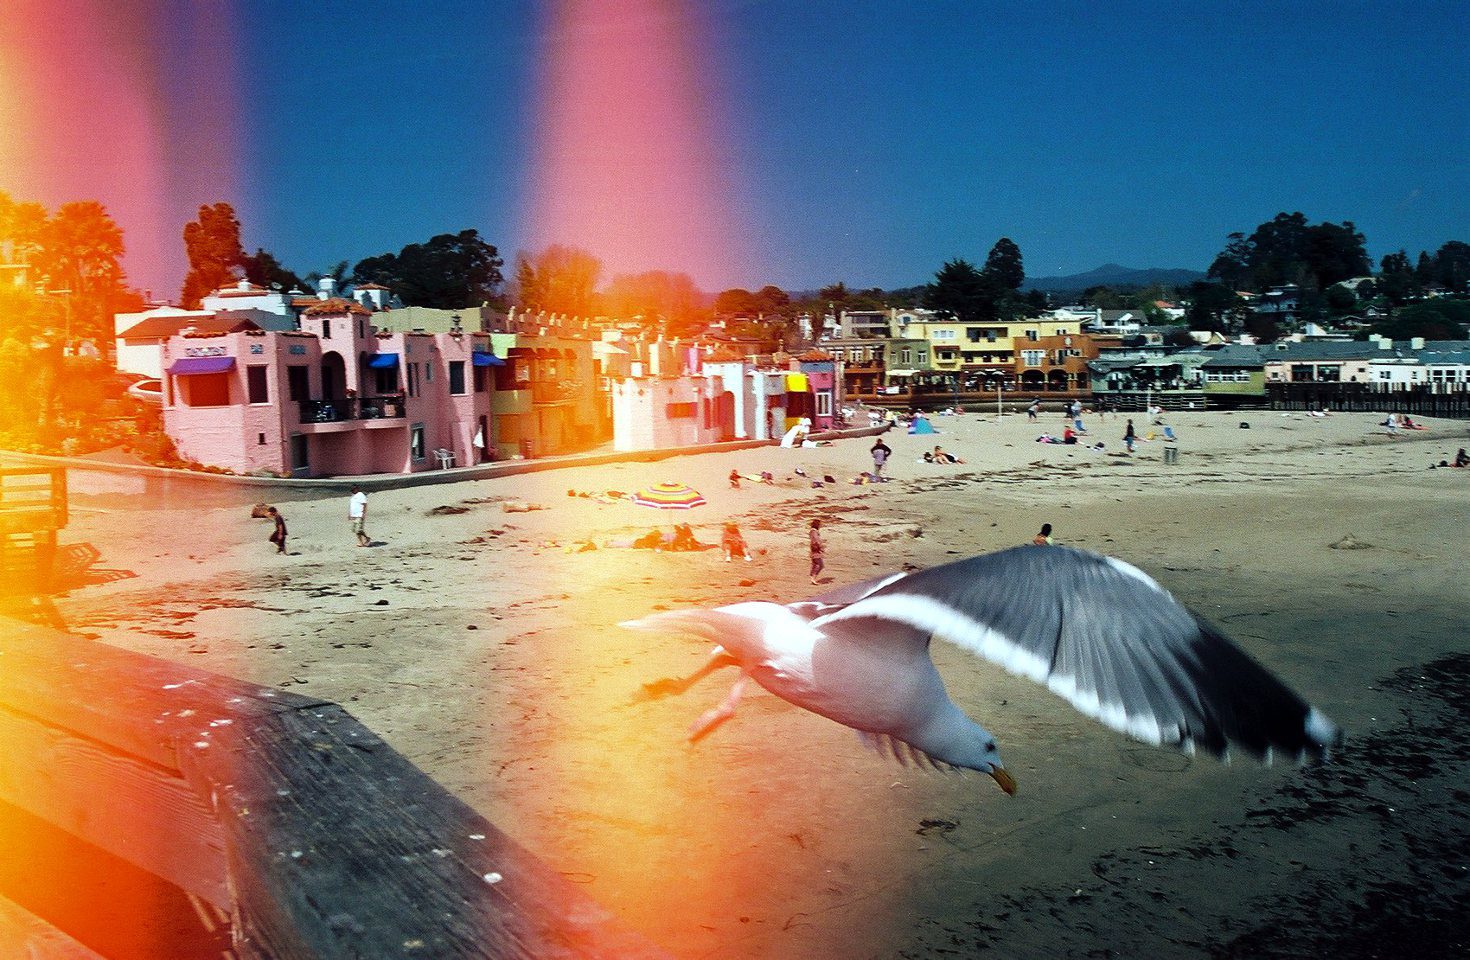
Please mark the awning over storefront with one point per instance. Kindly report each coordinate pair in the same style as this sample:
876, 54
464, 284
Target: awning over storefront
482, 359
188, 366
382, 361
902, 373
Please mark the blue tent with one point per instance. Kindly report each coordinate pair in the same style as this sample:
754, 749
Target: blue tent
921, 425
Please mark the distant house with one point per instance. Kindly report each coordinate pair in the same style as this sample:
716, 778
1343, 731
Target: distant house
141, 336
335, 398
1234, 373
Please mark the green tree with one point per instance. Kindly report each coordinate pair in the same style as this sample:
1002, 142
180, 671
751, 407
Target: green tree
212, 244
665, 300
1003, 264
1232, 266
1339, 300
1437, 319
451, 271
1452, 267
559, 280
961, 292
263, 269
736, 301
1396, 279
80, 253
1214, 306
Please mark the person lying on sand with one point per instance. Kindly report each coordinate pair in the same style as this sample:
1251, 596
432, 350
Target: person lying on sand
941, 457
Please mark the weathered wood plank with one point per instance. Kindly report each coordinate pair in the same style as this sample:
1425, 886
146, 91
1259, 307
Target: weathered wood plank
335, 846
132, 702
341, 848
25, 936
137, 811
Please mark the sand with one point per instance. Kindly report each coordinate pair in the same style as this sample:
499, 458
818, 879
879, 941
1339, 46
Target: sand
486, 652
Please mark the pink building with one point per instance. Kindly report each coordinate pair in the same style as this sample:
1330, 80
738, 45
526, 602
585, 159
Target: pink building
652, 413
335, 398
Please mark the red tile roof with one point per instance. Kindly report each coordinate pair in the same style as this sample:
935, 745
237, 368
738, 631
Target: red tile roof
336, 305
168, 326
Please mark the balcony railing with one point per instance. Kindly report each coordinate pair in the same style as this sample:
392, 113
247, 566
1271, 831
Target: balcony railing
357, 408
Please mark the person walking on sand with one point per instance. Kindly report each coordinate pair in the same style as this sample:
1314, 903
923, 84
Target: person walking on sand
881, 452
1129, 436
357, 514
1043, 539
278, 535
818, 548
733, 543
1033, 410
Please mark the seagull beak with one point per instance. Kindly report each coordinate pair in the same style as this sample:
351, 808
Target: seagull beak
1006, 781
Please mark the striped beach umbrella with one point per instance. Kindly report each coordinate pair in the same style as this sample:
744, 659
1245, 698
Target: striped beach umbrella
669, 496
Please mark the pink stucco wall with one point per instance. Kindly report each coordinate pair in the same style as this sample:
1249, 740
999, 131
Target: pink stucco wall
246, 437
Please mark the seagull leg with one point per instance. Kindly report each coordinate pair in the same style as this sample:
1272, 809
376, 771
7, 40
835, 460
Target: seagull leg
713, 718
673, 686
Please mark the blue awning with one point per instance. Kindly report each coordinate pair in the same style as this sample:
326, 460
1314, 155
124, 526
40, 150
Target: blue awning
186, 366
483, 359
381, 361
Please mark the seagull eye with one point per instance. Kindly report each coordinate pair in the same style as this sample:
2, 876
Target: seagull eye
990, 748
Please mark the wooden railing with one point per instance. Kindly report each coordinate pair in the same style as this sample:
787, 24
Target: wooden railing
276, 825
33, 507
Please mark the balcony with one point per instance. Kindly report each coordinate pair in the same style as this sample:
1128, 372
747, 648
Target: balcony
347, 411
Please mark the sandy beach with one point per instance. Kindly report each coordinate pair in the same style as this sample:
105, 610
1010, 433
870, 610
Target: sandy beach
483, 645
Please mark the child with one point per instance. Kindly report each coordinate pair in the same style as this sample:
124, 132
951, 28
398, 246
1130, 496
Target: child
734, 479
278, 535
818, 548
734, 543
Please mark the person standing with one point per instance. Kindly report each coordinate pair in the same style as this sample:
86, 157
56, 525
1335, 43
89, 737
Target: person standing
357, 514
1129, 436
818, 548
881, 452
1033, 410
278, 535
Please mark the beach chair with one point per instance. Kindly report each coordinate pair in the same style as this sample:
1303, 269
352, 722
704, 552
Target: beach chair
445, 458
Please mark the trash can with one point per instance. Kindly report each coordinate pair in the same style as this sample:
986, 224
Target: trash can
1171, 454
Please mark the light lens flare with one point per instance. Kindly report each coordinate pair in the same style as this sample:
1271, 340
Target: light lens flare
630, 161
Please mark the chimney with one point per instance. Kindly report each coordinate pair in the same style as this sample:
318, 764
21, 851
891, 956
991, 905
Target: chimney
1384, 343
1416, 343
243, 284
326, 288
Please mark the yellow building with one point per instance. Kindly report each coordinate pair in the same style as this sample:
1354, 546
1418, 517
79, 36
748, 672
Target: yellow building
986, 348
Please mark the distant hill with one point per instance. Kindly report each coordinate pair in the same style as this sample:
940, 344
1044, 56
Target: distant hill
1113, 275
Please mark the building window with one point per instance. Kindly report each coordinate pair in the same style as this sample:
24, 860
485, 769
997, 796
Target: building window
906, 356
1033, 335
326, 327
923, 357
1032, 358
385, 380
297, 383
478, 374
260, 439
413, 379
416, 440
683, 411
206, 390
428, 372
824, 404
974, 334
255, 383
456, 376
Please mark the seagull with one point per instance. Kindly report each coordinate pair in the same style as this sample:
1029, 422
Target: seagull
1095, 630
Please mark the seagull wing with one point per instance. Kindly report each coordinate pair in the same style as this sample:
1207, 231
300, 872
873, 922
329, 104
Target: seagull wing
1106, 637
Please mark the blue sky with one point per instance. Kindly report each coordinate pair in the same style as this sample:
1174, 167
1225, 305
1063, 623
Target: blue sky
869, 142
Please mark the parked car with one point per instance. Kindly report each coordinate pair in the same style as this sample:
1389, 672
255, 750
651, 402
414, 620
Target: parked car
149, 391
